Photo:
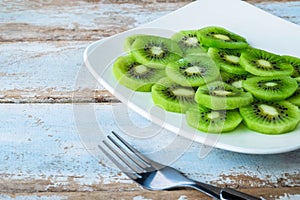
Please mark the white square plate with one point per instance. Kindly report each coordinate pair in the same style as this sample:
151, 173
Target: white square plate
261, 29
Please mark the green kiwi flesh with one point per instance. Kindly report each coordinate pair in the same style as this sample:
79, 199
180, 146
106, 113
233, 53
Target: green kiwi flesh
155, 51
234, 79
193, 70
172, 96
295, 62
263, 63
295, 98
134, 75
271, 117
188, 42
271, 88
130, 40
213, 121
214, 36
227, 59
221, 96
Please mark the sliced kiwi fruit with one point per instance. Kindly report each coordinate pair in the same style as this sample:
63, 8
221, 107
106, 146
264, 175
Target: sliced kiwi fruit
263, 63
295, 98
130, 40
172, 96
189, 42
214, 36
134, 75
227, 59
295, 62
271, 117
222, 96
155, 51
234, 79
213, 121
271, 88
193, 70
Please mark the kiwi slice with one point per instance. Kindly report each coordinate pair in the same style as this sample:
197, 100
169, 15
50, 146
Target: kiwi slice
295, 98
263, 63
155, 51
213, 121
295, 62
188, 42
221, 96
271, 117
134, 75
214, 36
193, 70
271, 88
130, 40
227, 59
234, 79
172, 96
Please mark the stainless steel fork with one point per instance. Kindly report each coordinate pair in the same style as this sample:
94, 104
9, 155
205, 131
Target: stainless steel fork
155, 176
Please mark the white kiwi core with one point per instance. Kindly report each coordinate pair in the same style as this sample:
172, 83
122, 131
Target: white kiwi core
192, 41
193, 70
156, 50
140, 69
270, 110
264, 63
213, 115
183, 92
222, 93
237, 84
221, 37
271, 84
233, 59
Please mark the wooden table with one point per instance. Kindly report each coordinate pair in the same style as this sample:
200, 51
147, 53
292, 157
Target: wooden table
50, 102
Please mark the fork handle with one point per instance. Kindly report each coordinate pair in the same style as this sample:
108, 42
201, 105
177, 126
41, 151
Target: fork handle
222, 194
207, 189
231, 194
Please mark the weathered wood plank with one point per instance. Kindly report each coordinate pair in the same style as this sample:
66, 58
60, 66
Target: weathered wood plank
53, 149
77, 20
48, 71
59, 21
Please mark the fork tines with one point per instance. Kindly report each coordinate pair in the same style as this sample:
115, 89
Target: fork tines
132, 158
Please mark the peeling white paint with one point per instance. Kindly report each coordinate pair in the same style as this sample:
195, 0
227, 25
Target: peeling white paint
140, 198
182, 197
